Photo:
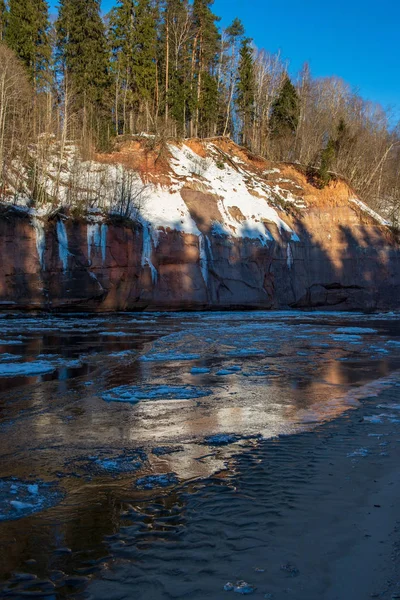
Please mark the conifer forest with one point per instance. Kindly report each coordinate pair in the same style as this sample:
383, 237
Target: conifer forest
168, 69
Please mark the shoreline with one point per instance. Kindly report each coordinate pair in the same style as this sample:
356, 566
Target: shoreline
300, 502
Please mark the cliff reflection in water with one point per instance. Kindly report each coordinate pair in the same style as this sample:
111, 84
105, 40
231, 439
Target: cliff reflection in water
133, 395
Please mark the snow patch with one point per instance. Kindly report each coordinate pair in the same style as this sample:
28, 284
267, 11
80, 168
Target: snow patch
370, 211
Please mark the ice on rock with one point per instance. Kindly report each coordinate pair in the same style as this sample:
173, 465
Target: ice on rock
103, 242
149, 482
40, 241
203, 258
93, 237
289, 259
62, 244
134, 394
148, 251
25, 369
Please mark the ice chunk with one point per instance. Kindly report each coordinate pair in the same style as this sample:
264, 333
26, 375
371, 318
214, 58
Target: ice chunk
356, 330
169, 356
200, 370
165, 450
20, 498
149, 482
221, 439
25, 369
133, 394
360, 452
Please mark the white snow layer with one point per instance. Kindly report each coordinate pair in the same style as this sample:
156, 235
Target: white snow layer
369, 211
231, 186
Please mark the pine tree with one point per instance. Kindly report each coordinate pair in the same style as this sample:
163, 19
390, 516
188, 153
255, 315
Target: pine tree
27, 34
285, 110
82, 51
3, 19
245, 90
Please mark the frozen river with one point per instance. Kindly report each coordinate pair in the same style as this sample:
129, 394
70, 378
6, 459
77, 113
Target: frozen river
99, 413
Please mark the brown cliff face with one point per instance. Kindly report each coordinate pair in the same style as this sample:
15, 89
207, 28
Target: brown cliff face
333, 256
340, 263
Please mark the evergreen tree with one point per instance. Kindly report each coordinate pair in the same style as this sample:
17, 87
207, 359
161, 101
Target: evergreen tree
3, 19
82, 51
27, 34
204, 100
133, 41
175, 33
327, 158
245, 90
285, 110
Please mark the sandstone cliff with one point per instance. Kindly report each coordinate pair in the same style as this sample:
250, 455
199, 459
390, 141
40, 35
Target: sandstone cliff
197, 225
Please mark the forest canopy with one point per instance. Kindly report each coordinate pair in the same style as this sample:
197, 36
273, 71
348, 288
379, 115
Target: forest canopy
167, 68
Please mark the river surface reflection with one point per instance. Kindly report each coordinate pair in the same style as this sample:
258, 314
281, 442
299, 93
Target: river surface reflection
98, 411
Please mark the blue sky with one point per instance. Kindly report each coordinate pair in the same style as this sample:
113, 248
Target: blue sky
354, 39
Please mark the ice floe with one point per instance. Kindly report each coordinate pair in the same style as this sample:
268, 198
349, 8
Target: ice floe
133, 394
22, 498
25, 369
150, 482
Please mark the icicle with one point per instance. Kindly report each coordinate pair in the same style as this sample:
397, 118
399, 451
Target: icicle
203, 258
40, 241
147, 252
209, 246
289, 260
93, 237
103, 242
62, 244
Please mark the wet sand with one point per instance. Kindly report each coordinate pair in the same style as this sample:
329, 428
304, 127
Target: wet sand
324, 505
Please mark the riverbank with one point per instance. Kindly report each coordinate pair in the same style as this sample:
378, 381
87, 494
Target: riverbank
310, 516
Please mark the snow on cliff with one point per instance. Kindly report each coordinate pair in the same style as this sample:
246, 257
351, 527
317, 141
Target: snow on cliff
203, 188
245, 201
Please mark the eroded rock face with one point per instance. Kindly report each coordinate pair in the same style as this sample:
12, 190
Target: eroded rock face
340, 262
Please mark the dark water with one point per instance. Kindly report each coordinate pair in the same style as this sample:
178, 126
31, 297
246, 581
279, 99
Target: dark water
99, 414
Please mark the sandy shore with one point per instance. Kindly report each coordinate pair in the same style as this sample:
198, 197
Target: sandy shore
311, 516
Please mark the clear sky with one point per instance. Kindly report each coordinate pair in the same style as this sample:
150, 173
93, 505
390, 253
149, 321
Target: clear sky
358, 40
